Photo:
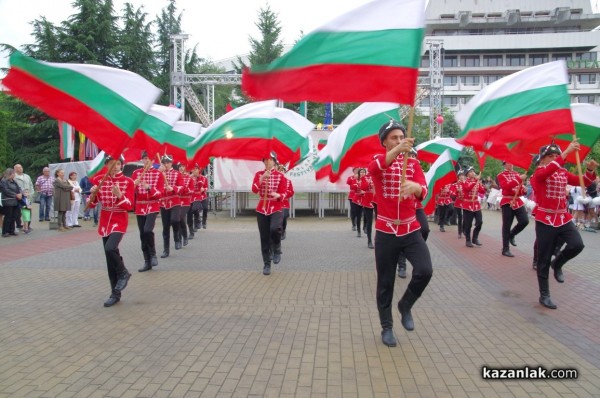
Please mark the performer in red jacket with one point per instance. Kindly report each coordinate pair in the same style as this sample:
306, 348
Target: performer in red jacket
170, 204
457, 193
397, 227
511, 185
351, 181
270, 185
367, 189
186, 202
149, 187
443, 202
552, 219
116, 196
285, 204
472, 188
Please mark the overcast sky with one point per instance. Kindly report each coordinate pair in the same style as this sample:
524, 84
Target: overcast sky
220, 28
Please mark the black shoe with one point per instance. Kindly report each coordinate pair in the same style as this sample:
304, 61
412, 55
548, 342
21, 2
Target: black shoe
122, 281
469, 244
191, 235
267, 270
354, 227
546, 301
442, 228
507, 253
388, 338
364, 230
534, 265
154, 261
477, 243
177, 245
185, 241
203, 226
512, 241
146, 267
370, 245
358, 234
283, 235
558, 275
459, 235
111, 301
165, 254
276, 258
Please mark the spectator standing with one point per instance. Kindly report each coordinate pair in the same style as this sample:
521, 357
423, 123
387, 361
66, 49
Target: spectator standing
73, 214
44, 185
25, 183
86, 185
62, 198
11, 195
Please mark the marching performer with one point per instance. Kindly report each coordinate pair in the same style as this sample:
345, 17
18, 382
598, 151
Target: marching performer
203, 198
444, 201
196, 205
149, 187
552, 219
351, 181
366, 203
170, 204
397, 227
285, 204
270, 185
115, 193
511, 185
472, 188
186, 202
357, 199
457, 192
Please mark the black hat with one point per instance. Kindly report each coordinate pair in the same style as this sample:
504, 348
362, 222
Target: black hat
461, 172
536, 160
549, 149
469, 169
145, 154
272, 155
108, 158
166, 159
389, 126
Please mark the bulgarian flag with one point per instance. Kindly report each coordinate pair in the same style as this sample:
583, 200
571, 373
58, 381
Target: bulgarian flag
107, 104
586, 118
355, 141
96, 166
177, 141
67, 140
369, 54
439, 175
251, 131
155, 129
430, 150
530, 104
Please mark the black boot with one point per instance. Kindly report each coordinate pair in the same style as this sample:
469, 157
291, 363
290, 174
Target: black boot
557, 265
153, 259
387, 323
191, 234
122, 281
469, 244
476, 241
147, 266
545, 299
402, 266
506, 252
442, 228
404, 306
177, 244
277, 254
165, 252
112, 300
267, 269
185, 241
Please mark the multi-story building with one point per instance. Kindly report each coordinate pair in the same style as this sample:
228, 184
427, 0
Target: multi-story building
485, 40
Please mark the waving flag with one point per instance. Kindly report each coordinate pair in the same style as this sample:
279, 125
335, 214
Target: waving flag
96, 166
107, 104
355, 141
155, 128
67, 140
530, 104
369, 54
180, 137
251, 131
430, 150
440, 174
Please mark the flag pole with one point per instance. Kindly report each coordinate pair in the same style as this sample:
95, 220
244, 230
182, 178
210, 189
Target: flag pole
411, 116
579, 170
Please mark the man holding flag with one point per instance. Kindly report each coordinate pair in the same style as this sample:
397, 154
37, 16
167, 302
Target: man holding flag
397, 227
511, 185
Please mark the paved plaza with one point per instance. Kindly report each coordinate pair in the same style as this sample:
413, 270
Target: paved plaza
207, 323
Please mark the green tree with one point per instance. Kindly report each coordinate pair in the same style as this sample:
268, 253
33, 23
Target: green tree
450, 127
134, 51
168, 23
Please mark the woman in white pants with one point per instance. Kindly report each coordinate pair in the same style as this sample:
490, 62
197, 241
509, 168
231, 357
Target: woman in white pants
73, 214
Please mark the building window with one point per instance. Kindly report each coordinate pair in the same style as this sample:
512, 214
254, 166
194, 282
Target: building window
450, 61
470, 60
586, 56
587, 78
515, 60
425, 61
491, 78
561, 56
450, 101
492, 60
586, 99
470, 80
538, 59
425, 101
450, 80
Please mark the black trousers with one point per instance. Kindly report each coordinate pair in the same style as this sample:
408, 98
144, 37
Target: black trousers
368, 211
388, 248
170, 219
269, 228
146, 227
358, 212
183, 211
508, 215
114, 262
443, 216
353, 212
459, 218
204, 210
422, 219
10, 214
190, 215
468, 217
547, 238
286, 215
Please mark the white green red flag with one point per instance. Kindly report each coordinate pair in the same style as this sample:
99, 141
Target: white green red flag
430, 150
66, 133
177, 141
97, 165
107, 104
155, 129
439, 175
526, 105
251, 132
371, 53
355, 141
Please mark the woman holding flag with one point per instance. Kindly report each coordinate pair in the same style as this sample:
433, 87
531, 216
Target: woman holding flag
511, 185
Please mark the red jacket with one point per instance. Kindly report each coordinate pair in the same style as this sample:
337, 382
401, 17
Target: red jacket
443, 198
114, 217
396, 215
275, 183
288, 194
457, 192
188, 190
471, 188
200, 188
549, 184
351, 181
512, 189
368, 189
174, 179
147, 200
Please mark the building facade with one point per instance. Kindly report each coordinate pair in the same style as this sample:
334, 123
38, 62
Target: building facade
485, 40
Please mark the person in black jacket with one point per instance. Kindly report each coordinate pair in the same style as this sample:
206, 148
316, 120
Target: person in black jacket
11, 195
